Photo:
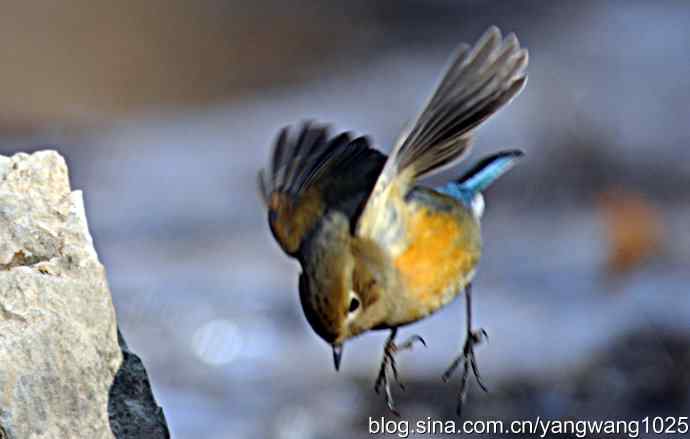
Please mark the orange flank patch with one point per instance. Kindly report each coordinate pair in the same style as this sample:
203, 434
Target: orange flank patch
443, 249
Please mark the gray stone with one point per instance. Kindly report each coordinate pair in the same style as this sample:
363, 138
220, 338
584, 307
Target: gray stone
132, 408
59, 350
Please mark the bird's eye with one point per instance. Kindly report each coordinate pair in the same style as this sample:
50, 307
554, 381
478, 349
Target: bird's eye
354, 305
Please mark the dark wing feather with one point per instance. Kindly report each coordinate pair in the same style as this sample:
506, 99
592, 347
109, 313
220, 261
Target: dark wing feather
299, 163
311, 173
478, 83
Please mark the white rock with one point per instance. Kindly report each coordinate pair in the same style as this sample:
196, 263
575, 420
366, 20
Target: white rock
59, 349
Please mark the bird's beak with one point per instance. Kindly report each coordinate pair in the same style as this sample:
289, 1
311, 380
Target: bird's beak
337, 355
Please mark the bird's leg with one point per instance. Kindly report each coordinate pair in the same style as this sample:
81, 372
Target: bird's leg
467, 357
388, 362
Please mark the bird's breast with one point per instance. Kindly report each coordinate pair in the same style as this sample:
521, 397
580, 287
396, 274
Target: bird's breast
441, 252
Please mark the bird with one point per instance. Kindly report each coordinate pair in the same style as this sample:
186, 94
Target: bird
379, 250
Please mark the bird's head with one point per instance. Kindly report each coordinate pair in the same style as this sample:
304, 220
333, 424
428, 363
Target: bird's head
339, 297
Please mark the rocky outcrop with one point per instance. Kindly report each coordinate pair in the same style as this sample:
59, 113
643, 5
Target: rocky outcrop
62, 373
132, 409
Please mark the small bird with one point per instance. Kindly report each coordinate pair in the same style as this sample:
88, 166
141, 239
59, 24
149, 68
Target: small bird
377, 250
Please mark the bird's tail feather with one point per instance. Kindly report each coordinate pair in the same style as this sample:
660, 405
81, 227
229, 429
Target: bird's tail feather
488, 170
468, 188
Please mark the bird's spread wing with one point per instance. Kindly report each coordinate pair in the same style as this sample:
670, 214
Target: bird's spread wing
311, 173
479, 81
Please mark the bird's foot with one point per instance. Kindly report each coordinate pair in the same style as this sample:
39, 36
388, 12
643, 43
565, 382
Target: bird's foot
388, 362
468, 360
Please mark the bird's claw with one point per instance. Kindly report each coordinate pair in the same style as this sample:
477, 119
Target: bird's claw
407, 344
388, 362
468, 360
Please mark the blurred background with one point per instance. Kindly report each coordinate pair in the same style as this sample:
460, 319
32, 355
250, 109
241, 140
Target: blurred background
165, 110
